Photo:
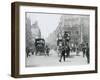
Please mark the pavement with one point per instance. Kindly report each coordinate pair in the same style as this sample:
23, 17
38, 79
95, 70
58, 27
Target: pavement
53, 60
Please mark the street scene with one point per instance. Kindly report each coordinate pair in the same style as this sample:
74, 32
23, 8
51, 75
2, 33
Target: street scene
56, 39
53, 60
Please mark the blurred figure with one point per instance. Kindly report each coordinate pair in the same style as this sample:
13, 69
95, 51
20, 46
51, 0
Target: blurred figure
47, 50
84, 50
59, 48
59, 43
77, 51
67, 51
32, 51
27, 51
62, 53
87, 53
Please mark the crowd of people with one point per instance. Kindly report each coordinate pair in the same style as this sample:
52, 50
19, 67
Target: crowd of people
65, 51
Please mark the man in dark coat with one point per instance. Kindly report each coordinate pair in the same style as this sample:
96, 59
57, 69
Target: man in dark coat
62, 53
84, 50
87, 53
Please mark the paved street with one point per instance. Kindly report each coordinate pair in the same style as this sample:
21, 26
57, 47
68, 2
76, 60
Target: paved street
53, 60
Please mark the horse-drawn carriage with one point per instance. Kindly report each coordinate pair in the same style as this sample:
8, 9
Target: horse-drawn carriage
63, 38
40, 46
63, 43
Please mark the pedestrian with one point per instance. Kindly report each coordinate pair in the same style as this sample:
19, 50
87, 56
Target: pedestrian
68, 51
87, 53
84, 50
59, 50
47, 50
27, 51
62, 54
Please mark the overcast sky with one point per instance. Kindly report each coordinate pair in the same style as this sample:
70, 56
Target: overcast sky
46, 22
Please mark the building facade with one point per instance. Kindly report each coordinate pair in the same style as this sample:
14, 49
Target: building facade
77, 26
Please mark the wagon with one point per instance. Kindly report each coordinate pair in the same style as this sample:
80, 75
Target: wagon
40, 46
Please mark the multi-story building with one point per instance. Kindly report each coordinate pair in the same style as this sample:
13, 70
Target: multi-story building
77, 26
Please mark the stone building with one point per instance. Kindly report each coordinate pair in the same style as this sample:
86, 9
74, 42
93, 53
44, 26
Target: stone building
77, 25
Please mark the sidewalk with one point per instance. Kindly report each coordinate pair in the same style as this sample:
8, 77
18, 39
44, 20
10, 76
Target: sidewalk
53, 60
